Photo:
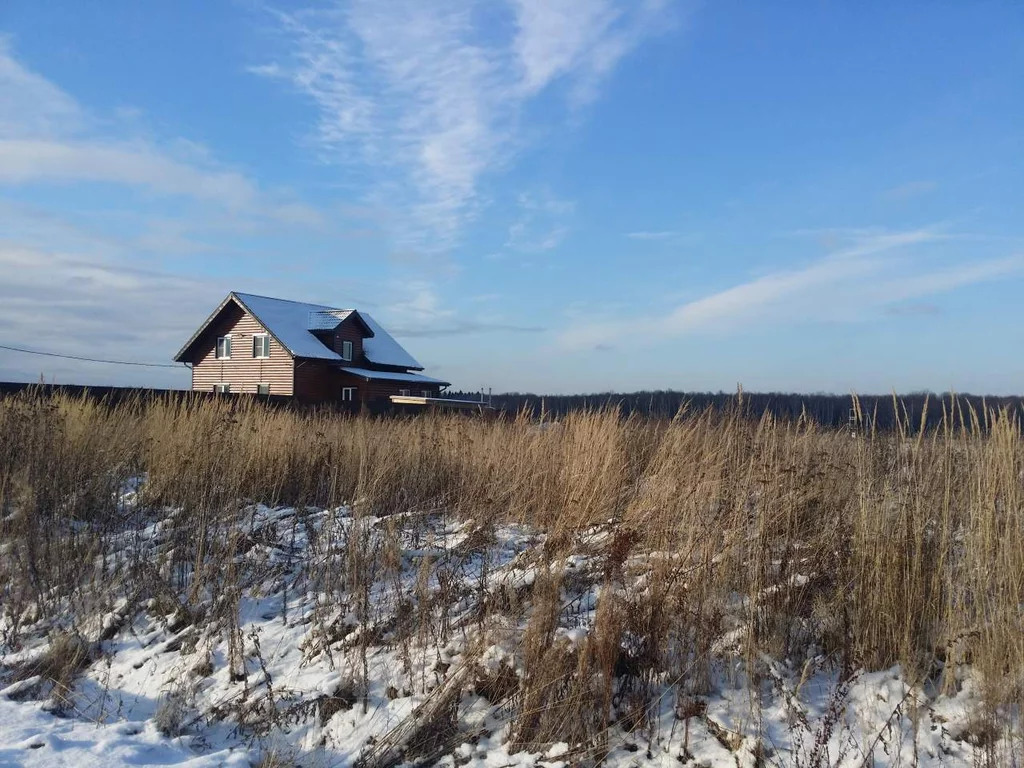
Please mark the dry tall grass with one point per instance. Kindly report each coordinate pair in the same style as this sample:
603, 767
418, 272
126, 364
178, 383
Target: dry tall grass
873, 549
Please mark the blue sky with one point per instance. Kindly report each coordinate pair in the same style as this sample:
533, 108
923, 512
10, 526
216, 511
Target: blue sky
533, 195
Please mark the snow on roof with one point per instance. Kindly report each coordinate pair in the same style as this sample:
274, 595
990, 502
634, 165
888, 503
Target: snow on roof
326, 319
416, 378
290, 323
384, 350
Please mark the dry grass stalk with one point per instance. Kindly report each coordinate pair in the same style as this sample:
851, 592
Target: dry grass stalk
870, 549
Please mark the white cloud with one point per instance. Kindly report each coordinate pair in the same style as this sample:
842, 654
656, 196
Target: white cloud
31, 105
909, 190
431, 101
949, 279
298, 214
76, 278
542, 223
647, 235
579, 39
418, 305
79, 279
847, 285
416, 310
113, 310
46, 137
35, 161
556, 37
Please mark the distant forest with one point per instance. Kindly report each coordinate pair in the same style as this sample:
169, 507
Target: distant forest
825, 409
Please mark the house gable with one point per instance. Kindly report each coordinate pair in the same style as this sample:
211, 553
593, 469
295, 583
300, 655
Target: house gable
243, 371
230, 307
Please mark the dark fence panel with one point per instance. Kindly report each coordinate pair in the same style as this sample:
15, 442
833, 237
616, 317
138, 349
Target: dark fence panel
116, 395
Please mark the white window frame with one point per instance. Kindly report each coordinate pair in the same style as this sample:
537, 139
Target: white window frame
347, 349
222, 388
404, 393
264, 339
263, 384
426, 392
348, 394
216, 349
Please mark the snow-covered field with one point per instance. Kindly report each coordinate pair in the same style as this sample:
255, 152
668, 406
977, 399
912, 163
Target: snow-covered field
347, 640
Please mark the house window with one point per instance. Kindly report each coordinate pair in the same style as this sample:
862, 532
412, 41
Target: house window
426, 393
223, 347
262, 389
222, 389
403, 392
346, 350
261, 345
348, 394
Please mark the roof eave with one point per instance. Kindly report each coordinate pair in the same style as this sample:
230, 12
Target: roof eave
439, 382
369, 331
390, 365
178, 358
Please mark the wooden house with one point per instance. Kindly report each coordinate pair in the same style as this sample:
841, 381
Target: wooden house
261, 345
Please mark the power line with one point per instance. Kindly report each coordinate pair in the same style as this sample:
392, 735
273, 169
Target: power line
86, 359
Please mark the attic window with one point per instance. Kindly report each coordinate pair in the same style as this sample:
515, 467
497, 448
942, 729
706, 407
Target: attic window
223, 347
261, 345
346, 350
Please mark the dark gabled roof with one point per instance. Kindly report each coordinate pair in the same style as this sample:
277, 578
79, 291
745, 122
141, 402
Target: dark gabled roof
289, 322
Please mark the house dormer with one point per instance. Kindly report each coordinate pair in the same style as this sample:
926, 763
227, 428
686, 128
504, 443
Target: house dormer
342, 331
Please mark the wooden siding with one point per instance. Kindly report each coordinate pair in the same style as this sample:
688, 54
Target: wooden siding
316, 381
350, 330
377, 391
242, 371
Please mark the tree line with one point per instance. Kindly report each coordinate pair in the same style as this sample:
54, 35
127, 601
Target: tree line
829, 410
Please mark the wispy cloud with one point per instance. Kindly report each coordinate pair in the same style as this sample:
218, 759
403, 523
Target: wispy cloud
418, 304
582, 40
908, 190
88, 273
430, 100
46, 137
98, 275
849, 284
464, 326
28, 160
647, 235
31, 105
542, 224
416, 310
914, 309
123, 313
933, 282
